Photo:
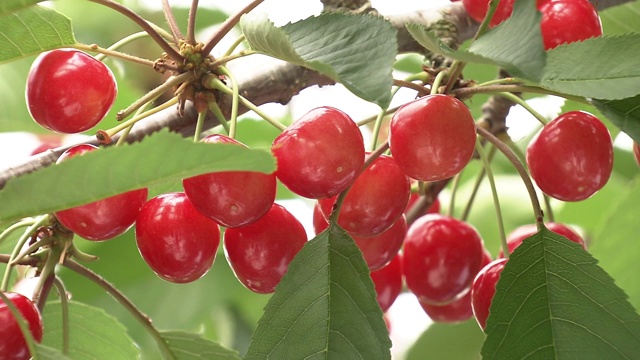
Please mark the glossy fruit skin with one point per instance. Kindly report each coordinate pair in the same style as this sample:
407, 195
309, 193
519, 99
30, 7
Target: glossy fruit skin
567, 21
69, 91
259, 253
432, 138
375, 201
177, 242
231, 198
321, 154
518, 235
636, 152
572, 157
377, 250
12, 343
388, 282
483, 289
103, 219
456, 311
477, 10
441, 257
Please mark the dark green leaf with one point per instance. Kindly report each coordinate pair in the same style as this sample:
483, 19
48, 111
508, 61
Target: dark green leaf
625, 114
33, 30
355, 50
92, 333
442, 342
160, 158
554, 302
49, 353
515, 44
9, 6
188, 346
588, 68
324, 308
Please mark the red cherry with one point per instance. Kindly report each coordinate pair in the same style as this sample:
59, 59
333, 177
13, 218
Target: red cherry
388, 283
483, 289
69, 91
567, 21
12, 343
47, 142
233, 198
636, 152
103, 219
456, 311
441, 257
477, 10
518, 235
432, 138
177, 242
375, 201
377, 250
572, 157
321, 154
259, 253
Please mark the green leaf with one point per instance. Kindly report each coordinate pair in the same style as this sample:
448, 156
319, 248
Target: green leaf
355, 50
92, 333
625, 114
49, 353
588, 68
9, 6
324, 308
515, 44
160, 158
554, 302
442, 342
621, 19
33, 30
188, 346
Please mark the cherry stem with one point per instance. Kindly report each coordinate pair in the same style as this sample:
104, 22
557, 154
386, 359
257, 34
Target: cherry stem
112, 53
484, 25
537, 210
215, 109
454, 191
191, 23
520, 101
455, 70
171, 20
23, 223
22, 324
501, 81
491, 89
233, 46
40, 221
45, 280
122, 42
171, 52
375, 117
226, 59
422, 91
153, 94
437, 81
33, 247
227, 26
486, 164
116, 129
476, 186
142, 318
64, 305
234, 100
199, 125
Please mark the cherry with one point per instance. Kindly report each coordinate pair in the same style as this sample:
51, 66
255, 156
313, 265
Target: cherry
69, 91
572, 157
432, 138
477, 10
456, 311
518, 235
388, 283
13, 345
259, 253
483, 289
567, 21
177, 242
321, 154
441, 257
377, 250
103, 219
231, 198
47, 142
636, 152
375, 201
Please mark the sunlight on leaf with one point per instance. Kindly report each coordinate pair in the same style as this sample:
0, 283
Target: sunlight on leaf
188, 346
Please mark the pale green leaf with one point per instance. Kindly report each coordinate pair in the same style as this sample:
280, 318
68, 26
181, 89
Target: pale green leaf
31, 31
160, 158
9, 6
188, 346
48, 353
442, 342
92, 333
324, 308
625, 114
356, 50
621, 19
554, 302
589, 69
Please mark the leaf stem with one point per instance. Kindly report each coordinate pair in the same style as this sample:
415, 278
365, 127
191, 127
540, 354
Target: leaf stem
64, 305
22, 324
166, 86
227, 26
171, 20
39, 221
191, 23
142, 318
520, 101
112, 53
491, 89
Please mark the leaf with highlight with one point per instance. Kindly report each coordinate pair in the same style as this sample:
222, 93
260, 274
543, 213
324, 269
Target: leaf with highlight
188, 346
9, 6
625, 114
